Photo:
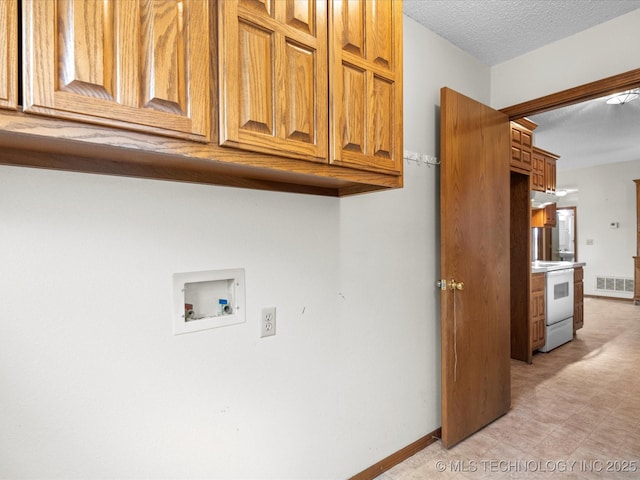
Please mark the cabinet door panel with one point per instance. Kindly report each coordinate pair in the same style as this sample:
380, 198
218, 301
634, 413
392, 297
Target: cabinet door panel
261, 7
273, 77
255, 76
538, 318
300, 14
369, 103
550, 174
134, 64
383, 119
85, 53
164, 46
521, 148
353, 27
379, 33
8, 54
537, 172
353, 102
299, 94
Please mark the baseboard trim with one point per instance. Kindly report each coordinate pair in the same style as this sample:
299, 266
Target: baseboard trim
604, 297
398, 457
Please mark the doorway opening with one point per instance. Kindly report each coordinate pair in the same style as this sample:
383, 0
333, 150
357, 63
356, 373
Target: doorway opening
521, 236
557, 243
564, 242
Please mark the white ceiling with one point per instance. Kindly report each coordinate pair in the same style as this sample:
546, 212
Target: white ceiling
590, 133
494, 31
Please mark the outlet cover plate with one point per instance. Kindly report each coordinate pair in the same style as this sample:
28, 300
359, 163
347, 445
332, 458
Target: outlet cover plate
268, 321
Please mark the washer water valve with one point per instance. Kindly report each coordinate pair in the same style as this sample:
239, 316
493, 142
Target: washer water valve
208, 299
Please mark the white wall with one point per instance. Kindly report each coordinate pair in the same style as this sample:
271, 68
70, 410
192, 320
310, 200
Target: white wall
389, 264
94, 384
605, 194
599, 52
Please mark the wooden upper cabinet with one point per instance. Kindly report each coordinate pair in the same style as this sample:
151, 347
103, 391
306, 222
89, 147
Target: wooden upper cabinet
522, 145
550, 174
537, 171
544, 217
135, 64
9, 54
273, 76
365, 84
543, 172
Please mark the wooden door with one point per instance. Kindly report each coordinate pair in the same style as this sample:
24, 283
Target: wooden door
273, 77
9, 54
365, 81
133, 64
474, 208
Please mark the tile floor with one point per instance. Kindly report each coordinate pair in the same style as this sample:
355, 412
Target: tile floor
575, 412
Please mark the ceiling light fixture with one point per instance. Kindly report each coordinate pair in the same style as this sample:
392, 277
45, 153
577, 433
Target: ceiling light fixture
624, 97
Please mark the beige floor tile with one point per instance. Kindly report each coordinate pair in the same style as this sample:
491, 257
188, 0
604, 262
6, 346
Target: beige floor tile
579, 403
560, 443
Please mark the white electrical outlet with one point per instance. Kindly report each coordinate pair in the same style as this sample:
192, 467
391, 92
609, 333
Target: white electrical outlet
268, 321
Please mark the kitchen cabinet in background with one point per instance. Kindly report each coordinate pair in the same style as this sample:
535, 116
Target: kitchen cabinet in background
636, 259
137, 65
538, 317
550, 173
9, 54
578, 299
636, 280
543, 170
544, 217
537, 171
522, 145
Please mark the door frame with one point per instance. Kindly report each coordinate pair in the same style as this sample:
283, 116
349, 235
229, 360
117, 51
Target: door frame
571, 96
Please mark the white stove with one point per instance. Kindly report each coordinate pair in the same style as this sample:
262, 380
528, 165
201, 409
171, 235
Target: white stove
559, 308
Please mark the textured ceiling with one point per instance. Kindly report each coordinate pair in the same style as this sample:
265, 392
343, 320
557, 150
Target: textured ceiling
590, 133
494, 31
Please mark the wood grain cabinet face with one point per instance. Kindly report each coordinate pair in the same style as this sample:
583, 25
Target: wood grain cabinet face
544, 217
135, 64
636, 259
538, 317
543, 170
365, 81
636, 280
578, 299
273, 76
550, 174
8, 54
521, 148
537, 172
